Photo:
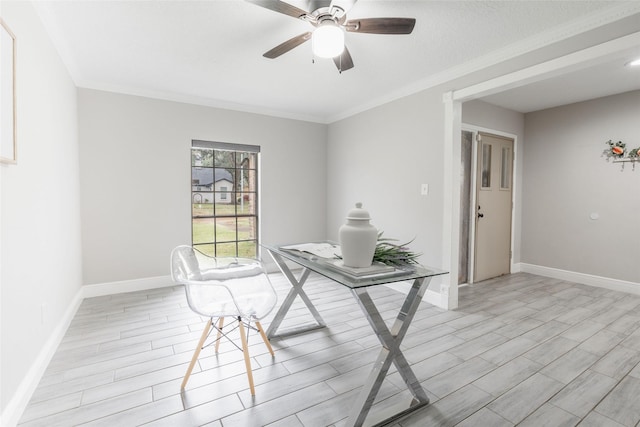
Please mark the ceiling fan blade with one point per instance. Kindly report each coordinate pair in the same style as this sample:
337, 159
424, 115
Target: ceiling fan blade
287, 46
381, 25
343, 61
280, 7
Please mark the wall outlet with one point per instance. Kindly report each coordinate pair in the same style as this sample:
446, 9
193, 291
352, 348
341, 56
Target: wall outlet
424, 189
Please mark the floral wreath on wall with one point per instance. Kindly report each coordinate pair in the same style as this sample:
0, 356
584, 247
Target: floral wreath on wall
618, 153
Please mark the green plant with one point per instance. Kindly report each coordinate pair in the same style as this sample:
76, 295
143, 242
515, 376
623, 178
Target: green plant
393, 254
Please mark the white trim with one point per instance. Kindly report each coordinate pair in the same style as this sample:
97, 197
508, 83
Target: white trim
538, 41
585, 279
572, 62
20, 399
451, 202
16, 406
430, 296
555, 67
596, 19
110, 288
434, 298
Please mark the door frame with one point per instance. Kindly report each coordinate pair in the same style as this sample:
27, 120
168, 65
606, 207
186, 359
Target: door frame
474, 178
453, 99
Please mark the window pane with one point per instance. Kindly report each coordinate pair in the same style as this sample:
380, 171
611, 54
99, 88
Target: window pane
206, 249
226, 249
505, 170
201, 157
225, 207
201, 179
224, 178
203, 230
224, 159
246, 203
202, 204
225, 229
247, 249
246, 228
486, 165
246, 160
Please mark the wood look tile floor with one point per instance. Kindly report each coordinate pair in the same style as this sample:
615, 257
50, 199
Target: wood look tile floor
521, 350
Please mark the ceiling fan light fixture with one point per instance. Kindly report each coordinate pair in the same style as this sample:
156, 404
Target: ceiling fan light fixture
327, 41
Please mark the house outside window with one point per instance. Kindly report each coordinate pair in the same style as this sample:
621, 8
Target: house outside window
224, 198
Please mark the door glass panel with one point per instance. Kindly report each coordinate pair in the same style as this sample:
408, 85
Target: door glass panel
466, 156
486, 166
505, 169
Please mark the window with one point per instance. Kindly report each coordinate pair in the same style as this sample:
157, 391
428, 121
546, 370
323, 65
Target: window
224, 198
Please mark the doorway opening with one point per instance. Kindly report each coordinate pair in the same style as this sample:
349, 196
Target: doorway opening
486, 205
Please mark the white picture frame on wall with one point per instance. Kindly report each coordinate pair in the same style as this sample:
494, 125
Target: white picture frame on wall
8, 140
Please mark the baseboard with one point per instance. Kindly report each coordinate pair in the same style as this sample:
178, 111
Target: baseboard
16, 406
430, 296
123, 286
585, 279
433, 298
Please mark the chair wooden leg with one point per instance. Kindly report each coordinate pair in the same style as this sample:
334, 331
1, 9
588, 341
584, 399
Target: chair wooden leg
219, 333
264, 338
196, 353
247, 360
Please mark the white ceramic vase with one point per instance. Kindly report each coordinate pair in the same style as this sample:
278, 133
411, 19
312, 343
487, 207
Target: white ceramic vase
358, 238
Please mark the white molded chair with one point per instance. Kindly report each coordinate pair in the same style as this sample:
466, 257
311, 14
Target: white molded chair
224, 287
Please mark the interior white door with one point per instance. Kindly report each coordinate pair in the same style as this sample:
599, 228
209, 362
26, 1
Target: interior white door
493, 207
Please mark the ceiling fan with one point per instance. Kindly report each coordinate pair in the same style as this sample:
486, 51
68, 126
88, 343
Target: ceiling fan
329, 17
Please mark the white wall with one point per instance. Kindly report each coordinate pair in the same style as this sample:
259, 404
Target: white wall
381, 157
41, 252
490, 117
136, 179
566, 179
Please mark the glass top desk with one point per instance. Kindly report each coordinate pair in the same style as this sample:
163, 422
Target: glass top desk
390, 338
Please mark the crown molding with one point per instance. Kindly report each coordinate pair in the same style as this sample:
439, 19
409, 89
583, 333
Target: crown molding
579, 26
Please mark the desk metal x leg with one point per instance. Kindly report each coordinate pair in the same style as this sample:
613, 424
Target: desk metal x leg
296, 290
390, 352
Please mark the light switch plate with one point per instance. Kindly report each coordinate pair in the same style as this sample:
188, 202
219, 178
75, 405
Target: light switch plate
424, 189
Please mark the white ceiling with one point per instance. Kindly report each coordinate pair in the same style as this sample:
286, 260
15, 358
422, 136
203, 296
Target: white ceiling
210, 52
610, 77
